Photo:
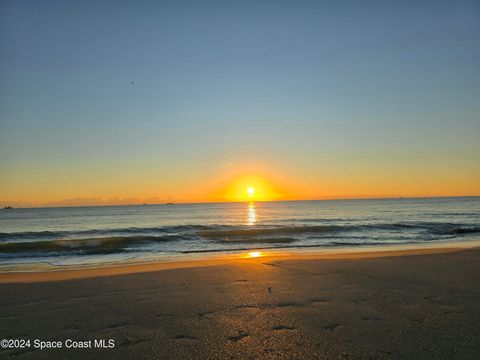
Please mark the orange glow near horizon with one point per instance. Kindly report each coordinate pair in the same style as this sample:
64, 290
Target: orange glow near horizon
249, 188
246, 181
254, 254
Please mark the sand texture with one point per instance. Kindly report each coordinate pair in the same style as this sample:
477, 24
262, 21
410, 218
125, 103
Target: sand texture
423, 306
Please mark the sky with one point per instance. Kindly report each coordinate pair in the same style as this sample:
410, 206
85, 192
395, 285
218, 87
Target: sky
111, 102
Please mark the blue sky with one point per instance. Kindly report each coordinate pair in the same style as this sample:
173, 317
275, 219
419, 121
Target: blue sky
315, 88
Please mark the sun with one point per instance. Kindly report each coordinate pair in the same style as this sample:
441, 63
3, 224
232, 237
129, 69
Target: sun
249, 188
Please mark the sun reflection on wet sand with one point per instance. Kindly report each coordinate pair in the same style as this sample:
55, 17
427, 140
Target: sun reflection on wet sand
251, 214
254, 254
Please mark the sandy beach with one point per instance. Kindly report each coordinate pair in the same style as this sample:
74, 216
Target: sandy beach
392, 305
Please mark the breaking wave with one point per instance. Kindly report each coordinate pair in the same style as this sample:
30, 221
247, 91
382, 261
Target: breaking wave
87, 246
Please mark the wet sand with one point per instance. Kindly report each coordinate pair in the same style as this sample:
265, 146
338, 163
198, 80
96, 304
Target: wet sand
396, 305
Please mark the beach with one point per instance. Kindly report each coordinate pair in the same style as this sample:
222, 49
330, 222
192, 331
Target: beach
412, 304
239, 180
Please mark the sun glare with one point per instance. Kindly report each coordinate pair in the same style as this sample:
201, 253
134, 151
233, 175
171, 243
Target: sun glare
249, 188
254, 254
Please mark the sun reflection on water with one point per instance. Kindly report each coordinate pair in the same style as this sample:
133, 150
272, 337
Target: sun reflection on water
251, 214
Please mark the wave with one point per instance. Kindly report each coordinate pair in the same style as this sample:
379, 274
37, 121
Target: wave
213, 237
433, 228
99, 232
454, 214
85, 246
229, 233
462, 230
279, 240
30, 235
301, 246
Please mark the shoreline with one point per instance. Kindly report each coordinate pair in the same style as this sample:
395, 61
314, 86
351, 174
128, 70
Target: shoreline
63, 273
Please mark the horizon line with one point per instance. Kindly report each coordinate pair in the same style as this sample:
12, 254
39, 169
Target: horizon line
247, 201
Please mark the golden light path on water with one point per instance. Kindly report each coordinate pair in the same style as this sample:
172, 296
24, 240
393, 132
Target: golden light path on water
251, 214
251, 220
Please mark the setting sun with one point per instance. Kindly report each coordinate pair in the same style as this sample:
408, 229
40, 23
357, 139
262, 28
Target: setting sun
249, 188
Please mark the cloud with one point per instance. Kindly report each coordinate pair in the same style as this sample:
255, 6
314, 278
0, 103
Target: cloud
91, 201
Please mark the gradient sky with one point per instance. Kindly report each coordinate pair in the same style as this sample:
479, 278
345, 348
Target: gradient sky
319, 99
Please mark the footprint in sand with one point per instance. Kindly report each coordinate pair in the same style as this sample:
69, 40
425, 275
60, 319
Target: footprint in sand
128, 341
246, 306
282, 328
240, 336
319, 301
184, 337
370, 318
331, 327
117, 325
419, 319
272, 264
240, 281
163, 315
202, 314
289, 304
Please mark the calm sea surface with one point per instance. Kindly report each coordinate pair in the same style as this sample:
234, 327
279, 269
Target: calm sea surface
91, 235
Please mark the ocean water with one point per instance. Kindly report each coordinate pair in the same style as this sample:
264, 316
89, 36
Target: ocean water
94, 235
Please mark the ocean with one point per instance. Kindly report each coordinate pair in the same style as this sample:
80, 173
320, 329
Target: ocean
79, 236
